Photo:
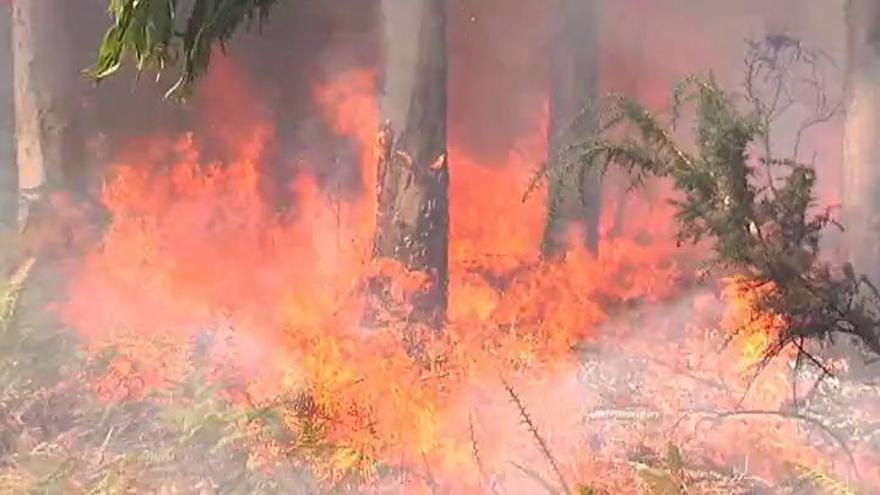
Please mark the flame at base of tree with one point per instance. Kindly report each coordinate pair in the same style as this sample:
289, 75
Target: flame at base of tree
195, 267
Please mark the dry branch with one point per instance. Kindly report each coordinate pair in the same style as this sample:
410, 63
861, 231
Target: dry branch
542, 444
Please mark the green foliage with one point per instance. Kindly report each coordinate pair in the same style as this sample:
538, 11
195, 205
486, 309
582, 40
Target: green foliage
767, 232
184, 438
659, 481
809, 478
34, 352
161, 34
33, 357
57, 437
10, 292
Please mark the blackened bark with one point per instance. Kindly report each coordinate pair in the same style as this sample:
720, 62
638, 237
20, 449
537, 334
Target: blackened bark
575, 194
862, 137
413, 178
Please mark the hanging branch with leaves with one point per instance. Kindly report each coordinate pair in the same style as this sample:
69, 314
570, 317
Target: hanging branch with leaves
164, 34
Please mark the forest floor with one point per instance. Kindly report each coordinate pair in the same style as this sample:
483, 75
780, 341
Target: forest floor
683, 427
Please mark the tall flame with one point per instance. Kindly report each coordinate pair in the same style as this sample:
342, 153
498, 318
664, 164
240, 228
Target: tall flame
193, 252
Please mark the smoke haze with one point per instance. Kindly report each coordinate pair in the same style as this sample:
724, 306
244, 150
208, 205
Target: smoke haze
242, 221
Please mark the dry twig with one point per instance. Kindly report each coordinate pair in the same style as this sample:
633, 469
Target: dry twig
545, 450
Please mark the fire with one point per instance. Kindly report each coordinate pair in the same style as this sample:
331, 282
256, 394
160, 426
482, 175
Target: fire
193, 251
755, 330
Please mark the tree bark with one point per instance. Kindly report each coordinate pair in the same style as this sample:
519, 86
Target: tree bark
413, 178
8, 174
862, 137
574, 194
38, 121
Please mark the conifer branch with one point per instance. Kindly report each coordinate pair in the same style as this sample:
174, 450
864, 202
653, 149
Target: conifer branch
766, 232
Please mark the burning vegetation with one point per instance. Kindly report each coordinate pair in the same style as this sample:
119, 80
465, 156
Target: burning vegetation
653, 310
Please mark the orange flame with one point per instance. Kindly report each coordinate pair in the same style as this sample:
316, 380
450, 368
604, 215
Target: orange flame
193, 250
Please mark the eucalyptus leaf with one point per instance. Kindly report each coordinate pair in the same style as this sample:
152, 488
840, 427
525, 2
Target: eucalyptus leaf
166, 35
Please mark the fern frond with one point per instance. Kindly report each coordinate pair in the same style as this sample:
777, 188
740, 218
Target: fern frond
537, 179
11, 292
659, 481
815, 478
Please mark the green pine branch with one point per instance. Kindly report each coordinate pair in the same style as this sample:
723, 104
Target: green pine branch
769, 232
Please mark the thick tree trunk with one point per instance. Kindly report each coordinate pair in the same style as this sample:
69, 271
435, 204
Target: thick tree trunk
413, 178
38, 122
862, 137
574, 195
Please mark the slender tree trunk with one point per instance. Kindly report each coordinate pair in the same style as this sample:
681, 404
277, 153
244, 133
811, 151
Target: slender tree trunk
38, 122
413, 178
574, 195
862, 137
8, 174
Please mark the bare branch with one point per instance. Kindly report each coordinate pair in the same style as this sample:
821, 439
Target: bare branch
539, 440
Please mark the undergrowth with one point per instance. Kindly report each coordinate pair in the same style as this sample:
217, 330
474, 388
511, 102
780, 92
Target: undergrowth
752, 204
57, 436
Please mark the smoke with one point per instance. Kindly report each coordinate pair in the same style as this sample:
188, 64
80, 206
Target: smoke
212, 259
659, 377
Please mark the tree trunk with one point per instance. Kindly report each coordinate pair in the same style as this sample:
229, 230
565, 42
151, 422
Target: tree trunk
8, 175
413, 178
38, 122
862, 137
574, 195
